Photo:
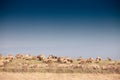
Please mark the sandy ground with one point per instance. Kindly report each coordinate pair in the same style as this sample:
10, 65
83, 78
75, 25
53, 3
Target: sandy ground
57, 76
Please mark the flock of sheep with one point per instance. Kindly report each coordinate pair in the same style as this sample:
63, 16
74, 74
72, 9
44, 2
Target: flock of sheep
59, 62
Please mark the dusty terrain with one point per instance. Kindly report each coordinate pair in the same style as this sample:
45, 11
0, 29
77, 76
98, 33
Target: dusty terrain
27, 67
57, 64
57, 76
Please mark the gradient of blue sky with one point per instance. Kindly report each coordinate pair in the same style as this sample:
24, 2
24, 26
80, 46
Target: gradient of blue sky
87, 28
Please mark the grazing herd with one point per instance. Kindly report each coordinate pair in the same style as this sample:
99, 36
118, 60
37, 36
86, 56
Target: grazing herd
58, 62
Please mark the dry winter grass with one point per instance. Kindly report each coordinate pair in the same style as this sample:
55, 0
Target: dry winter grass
36, 69
57, 76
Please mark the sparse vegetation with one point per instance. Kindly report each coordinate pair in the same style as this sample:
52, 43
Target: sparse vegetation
57, 76
27, 67
54, 64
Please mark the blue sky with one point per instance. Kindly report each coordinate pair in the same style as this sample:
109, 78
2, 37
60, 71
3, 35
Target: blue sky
64, 28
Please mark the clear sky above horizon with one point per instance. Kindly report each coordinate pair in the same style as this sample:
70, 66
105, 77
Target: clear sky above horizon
87, 28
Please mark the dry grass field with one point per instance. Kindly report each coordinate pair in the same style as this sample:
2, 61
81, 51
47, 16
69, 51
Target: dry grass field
57, 76
57, 68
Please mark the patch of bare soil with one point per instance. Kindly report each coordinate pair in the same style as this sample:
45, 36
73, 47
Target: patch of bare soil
57, 76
